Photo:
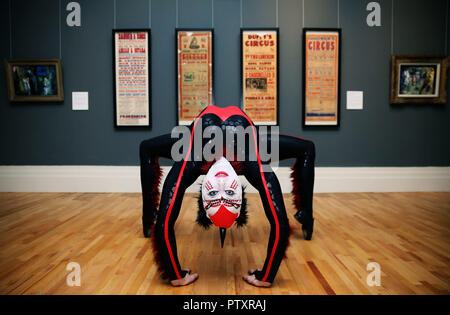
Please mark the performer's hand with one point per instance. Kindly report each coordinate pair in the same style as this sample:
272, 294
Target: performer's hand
188, 279
251, 279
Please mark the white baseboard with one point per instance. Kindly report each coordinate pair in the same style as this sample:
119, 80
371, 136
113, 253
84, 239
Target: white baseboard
126, 179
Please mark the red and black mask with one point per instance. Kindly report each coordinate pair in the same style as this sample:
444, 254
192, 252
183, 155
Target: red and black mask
221, 202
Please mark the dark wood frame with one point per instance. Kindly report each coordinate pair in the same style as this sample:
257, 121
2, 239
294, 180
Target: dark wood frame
442, 89
177, 30
338, 96
256, 29
149, 71
34, 98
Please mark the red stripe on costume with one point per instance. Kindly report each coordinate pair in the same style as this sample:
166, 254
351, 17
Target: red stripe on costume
223, 114
272, 208
166, 225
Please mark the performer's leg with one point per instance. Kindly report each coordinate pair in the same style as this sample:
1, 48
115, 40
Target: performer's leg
150, 151
302, 178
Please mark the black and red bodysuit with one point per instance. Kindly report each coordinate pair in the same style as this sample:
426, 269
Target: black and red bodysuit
185, 172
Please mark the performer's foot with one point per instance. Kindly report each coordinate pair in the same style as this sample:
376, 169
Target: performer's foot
307, 224
147, 227
307, 229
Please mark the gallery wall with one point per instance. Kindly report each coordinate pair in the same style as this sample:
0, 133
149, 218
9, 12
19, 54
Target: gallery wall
379, 135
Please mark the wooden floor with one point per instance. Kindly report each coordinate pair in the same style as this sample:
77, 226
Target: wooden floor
408, 234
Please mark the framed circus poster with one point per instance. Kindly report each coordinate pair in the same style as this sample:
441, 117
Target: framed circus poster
321, 77
259, 74
194, 72
132, 79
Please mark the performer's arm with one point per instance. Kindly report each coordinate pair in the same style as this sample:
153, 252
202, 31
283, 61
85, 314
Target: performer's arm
272, 199
180, 177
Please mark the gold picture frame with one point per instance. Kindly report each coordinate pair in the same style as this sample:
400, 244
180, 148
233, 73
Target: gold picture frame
34, 80
418, 79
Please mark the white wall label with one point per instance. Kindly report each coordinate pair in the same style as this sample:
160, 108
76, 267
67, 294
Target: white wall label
80, 100
354, 100
374, 17
74, 17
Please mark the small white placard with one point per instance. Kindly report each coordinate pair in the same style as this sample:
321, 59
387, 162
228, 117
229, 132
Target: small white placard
80, 100
354, 100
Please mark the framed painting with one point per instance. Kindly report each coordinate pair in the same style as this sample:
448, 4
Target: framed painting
418, 79
34, 80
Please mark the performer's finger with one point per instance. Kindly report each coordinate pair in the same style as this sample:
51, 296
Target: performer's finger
262, 284
191, 278
248, 279
253, 281
188, 278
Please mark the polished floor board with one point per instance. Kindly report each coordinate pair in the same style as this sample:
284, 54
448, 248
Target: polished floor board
407, 234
